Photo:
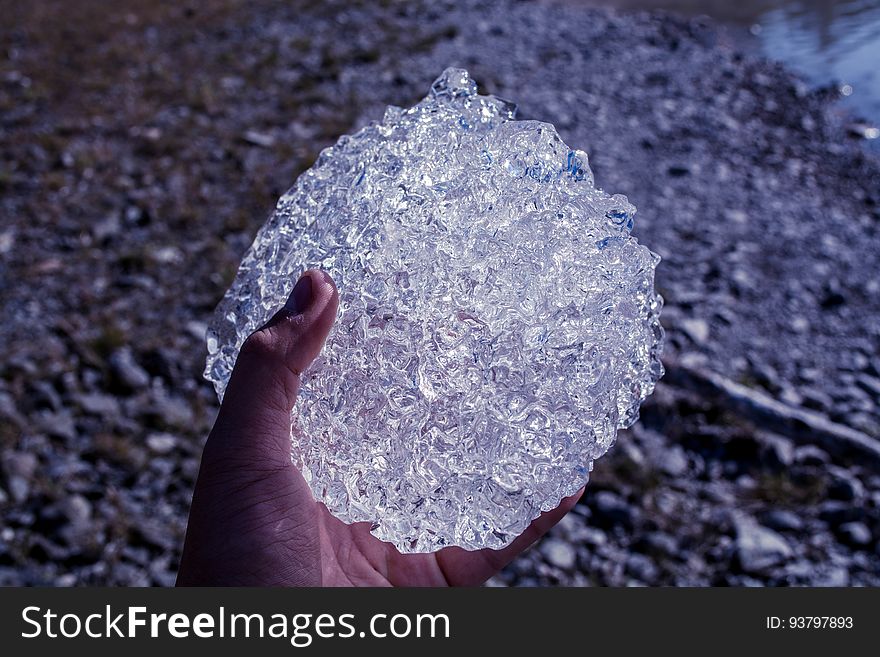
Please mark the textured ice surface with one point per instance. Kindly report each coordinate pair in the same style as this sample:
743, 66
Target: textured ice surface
497, 323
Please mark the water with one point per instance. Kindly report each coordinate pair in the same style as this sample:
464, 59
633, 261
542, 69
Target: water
826, 41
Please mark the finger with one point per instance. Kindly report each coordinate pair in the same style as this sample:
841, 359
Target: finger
472, 568
255, 414
249, 499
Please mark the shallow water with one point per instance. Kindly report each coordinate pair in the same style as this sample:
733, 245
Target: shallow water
826, 41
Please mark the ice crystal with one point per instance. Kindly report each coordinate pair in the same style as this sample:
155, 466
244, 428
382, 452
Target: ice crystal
497, 322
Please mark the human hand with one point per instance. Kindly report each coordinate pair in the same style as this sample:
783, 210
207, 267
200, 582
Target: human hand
253, 520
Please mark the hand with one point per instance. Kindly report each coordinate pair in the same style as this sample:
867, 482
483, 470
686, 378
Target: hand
253, 520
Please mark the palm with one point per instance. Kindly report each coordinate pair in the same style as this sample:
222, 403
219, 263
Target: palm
352, 556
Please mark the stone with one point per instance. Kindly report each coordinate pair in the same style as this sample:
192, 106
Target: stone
855, 534
672, 461
99, 404
127, 371
844, 485
870, 384
594, 536
759, 548
696, 329
559, 553
19, 468
161, 443
642, 568
455, 400
783, 520
610, 509
77, 509
661, 543
777, 451
173, 411
811, 455
834, 577
836, 513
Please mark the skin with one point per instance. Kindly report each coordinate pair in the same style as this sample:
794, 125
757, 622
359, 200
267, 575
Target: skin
253, 520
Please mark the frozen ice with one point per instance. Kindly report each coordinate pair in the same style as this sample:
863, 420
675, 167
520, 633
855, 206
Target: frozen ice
497, 322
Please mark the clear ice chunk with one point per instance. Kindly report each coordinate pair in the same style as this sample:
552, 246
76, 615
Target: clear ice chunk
497, 322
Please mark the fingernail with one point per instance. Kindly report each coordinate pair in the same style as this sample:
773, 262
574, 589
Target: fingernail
301, 297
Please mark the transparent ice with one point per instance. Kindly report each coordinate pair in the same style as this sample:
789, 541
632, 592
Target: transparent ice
497, 322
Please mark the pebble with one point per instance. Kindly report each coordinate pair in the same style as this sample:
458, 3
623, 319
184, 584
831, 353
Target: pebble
127, 371
836, 513
99, 404
559, 553
778, 452
672, 461
173, 411
19, 468
811, 455
844, 485
835, 577
759, 548
869, 384
642, 568
696, 329
610, 508
783, 520
661, 543
856, 534
259, 138
77, 509
161, 443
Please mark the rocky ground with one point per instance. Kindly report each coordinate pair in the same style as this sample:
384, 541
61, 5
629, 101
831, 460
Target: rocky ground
142, 146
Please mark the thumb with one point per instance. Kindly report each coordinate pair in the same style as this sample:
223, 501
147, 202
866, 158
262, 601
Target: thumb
262, 390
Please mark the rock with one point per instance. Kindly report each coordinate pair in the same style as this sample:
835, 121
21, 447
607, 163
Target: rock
778, 452
627, 449
65, 580
196, 329
696, 329
783, 520
835, 577
107, 227
19, 468
790, 396
152, 533
59, 424
610, 509
127, 371
836, 513
660, 543
99, 404
844, 485
869, 384
559, 553
8, 410
855, 534
77, 509
816, 399
172, 411
642, 568
811, 455
259, 138
594, 536
161, 443
672, 461
759, 548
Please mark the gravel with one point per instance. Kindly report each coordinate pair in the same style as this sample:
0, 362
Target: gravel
129, 197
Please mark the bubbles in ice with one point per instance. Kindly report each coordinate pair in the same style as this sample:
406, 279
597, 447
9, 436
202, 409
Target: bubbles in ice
497, 324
